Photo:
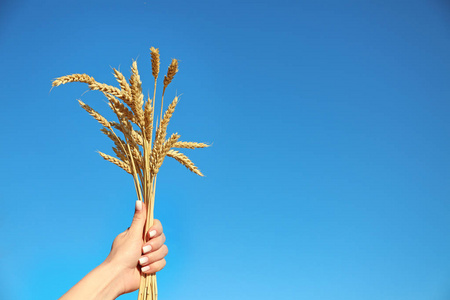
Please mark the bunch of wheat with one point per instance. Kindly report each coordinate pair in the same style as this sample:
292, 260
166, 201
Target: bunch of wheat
138, 152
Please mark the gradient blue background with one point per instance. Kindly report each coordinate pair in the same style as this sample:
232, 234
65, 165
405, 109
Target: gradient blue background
329, 172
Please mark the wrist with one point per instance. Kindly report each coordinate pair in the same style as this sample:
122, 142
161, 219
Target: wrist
113, 287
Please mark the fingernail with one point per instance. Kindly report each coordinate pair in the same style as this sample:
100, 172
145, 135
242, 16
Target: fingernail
138, 205
143, 260
152, 233
146, 249
145, 268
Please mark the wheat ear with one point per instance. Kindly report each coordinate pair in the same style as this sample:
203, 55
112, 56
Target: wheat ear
136, 93
165, 121
172, 70
94, 114
189, 145
166, 147
120, 109
73, 78
122, 81
116, 161
148, 119
155, 61
103, 87
184, 160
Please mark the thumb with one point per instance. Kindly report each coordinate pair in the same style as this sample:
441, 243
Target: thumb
139, 217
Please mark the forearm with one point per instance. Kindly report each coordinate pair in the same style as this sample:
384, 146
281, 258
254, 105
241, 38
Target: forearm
100, 283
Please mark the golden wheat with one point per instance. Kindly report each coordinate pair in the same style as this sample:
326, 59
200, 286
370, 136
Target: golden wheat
136, 93
94, 114
138, 153
115, 161
148, 119
173, 69
189, 145
123, 82
185, 161
73, 78
159, 138
103, 87
155, 62
166, 147
120, 109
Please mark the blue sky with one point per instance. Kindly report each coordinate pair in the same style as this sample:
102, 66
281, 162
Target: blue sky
329, 172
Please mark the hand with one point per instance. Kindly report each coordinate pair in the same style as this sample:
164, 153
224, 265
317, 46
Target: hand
129, 254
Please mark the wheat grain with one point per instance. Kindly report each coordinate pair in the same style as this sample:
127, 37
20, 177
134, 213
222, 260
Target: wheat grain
116, 161
184, 160
73, 78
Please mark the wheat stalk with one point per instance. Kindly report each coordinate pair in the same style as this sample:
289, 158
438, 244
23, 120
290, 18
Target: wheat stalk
138, 153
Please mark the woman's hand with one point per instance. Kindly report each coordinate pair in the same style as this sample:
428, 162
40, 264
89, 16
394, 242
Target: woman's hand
120, 272
129, 254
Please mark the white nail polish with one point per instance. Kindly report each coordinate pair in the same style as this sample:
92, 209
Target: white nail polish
152, 233
143, 260
146, 249
138, 205
145, 268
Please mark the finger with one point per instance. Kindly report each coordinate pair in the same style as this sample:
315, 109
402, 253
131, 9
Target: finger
152, 257
155, 230
154, 244
137, 225
154, 267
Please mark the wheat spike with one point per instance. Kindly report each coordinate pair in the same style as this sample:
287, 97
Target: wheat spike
166, 147
137, 156
155, 61
165, 122
122, 81
172, 70
136, 135
185, 161
94, 114
118, 142
156, 151
136, 93
73, 78
189, 145
120, 109
148, 119
103, 87
120, 154
116, 161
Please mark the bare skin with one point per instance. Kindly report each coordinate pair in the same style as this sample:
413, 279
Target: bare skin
120, 272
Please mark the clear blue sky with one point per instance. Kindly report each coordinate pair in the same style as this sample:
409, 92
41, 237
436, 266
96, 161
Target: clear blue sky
329, 172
